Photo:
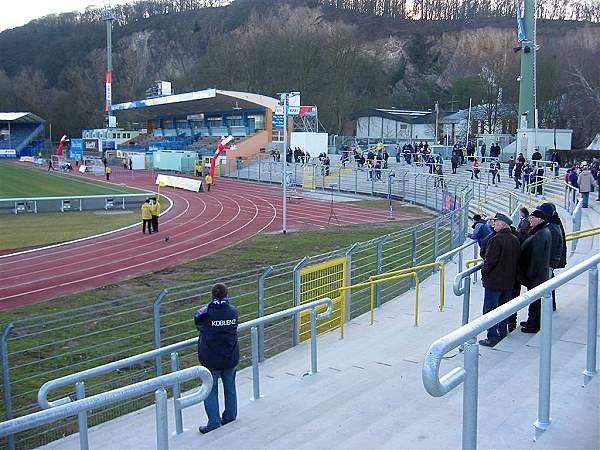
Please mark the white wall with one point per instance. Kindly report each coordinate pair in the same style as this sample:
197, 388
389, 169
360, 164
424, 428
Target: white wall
315, 143
528, 140
373, 127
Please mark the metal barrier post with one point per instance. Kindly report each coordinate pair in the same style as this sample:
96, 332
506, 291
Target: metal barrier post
436, 240
356, 181
255, 370
82, 417
466, 300
380, 243
297, 295
475, 256
162, 423
313, 341
348, 299
259, 164
6, 396
177, 394
470, 395
414, 253
261, 312
591, 369
156, 327
543, 421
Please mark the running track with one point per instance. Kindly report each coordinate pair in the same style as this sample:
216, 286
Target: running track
198, 224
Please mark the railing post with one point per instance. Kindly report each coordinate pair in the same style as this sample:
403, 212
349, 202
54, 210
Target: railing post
261, 312
592, 331
466, 300
156, 327
436, 240
470, 395
426, 189
82, 417
6, 396
297, 299
475, 255
380, 243
259, 164
543, 421
348, 292
313, 341
176, 394
255, 369
414, 253
356, 181
162, 423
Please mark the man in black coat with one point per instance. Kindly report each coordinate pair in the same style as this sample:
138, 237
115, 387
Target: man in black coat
498, 274
219, 351
534, 265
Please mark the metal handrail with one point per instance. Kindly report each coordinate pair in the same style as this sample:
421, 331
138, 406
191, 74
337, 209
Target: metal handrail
441, 265
466, 335
79, 377
157, 384
448, 255
74, 197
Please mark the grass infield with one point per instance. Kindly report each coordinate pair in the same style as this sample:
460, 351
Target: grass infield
34, 230
18, 181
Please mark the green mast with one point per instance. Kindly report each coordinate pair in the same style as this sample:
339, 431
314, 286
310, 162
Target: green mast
527, 87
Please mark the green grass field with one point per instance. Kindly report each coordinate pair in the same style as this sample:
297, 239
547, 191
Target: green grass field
33, 230
18, 181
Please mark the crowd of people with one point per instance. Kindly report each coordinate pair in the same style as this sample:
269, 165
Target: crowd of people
584, 178
516, 255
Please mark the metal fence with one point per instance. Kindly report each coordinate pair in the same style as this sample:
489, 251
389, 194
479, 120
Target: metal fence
36, 349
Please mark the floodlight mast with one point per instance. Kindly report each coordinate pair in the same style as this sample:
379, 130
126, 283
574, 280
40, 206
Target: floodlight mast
285, 99
108, 18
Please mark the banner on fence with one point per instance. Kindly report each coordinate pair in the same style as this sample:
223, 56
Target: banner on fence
450, 202
319, 281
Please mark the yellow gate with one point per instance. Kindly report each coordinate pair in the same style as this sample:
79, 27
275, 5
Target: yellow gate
318, 281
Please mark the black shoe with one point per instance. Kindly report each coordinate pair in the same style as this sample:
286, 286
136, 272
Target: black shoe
525, 323
531, 330
225, 422
487, 343
205, 430
512, 327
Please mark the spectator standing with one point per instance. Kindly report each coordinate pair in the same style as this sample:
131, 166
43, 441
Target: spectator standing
521, 158
527, 175
584, 180
475, 169
209, 182
517, 175
534, 265
219, 352
107, 171
498, 274
146, 217
481, 229
511, 167
558, 254
50, 166
483, 149
537, 156
130, 164
524, 226
155, 211
454, 160
539, 180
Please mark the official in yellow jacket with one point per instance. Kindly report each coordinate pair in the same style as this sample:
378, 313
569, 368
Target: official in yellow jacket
209, 182
155, 210
146, 217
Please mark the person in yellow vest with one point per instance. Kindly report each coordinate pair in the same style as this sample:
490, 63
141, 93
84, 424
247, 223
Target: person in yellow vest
208, 182
146, 217
155, 211
108, 171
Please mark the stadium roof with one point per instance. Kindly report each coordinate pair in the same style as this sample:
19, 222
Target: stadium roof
20, 117
203, 101
399, 114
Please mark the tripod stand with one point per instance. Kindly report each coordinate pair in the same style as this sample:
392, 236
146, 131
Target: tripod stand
331, 209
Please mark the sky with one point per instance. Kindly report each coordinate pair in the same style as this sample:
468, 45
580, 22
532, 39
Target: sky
17, 13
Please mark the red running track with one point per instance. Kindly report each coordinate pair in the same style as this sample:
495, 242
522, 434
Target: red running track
198, 224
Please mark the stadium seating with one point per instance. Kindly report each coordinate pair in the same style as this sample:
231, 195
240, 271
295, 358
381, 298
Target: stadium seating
21, 136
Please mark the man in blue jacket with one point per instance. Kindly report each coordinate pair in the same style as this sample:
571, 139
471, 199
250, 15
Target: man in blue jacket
219, 351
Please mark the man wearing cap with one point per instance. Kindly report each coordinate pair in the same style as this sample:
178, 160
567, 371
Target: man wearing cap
498, 274
584, 180
534, 264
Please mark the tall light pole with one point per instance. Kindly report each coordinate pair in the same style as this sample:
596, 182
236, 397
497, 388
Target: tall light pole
285, 99
108, 79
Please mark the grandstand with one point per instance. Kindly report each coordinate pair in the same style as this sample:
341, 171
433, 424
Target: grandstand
20, 134
194, 121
